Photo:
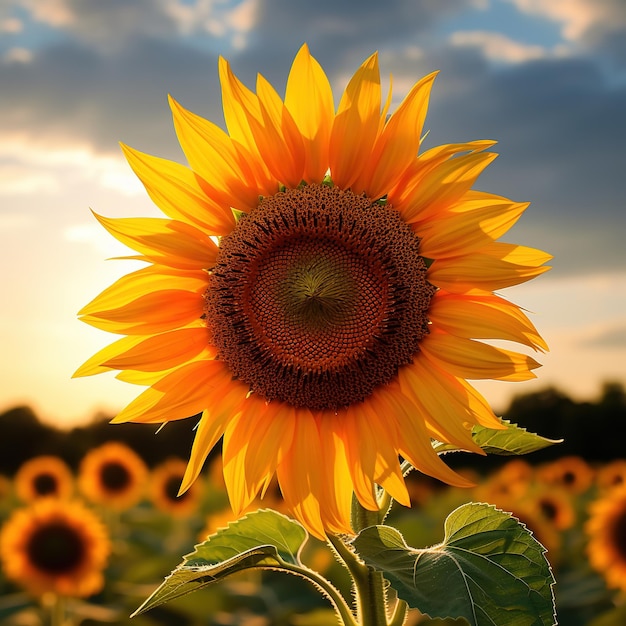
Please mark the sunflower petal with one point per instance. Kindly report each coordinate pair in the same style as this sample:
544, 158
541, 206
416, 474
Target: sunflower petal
477, 220
309, 99
467, 358
398, 143
356, 124
496, 266
182, 393
483, 317
170, 242
180, 193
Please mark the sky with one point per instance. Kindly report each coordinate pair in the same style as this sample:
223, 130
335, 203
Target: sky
547, 80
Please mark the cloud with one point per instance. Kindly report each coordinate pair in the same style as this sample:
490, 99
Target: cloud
500, 48
579, 19
612, 338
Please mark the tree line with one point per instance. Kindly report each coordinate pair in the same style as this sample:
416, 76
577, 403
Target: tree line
590, 429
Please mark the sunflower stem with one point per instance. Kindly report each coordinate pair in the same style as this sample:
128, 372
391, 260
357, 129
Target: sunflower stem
57, 611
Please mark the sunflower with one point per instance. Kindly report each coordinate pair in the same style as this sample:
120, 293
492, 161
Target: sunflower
55, 546
571, 473
317, 292
44, 476
113, 475
554, 505
612, 474
606, 530
164, 486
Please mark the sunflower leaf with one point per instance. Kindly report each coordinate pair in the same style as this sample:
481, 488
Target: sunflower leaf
514, 440
263, 539
488, 570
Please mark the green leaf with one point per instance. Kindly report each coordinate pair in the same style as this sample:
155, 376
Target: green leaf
514, 440
264, 539
489, 569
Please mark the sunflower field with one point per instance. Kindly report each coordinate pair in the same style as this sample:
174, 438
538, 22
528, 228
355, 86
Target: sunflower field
89, 545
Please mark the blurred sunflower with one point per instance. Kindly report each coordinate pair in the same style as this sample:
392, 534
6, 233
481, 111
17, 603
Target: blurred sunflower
612, 474
113, 475
554, 505
572, 473
55, 546
165, 481
606, 530
316, 292
44, 476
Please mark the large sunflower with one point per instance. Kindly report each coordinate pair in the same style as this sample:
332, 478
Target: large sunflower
316, 292
606, 531
55, 546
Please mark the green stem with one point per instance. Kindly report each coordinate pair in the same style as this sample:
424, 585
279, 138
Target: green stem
369, 585
341, 607
57, 611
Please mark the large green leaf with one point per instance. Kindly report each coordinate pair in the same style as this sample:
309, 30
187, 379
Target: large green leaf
264, 539
513, 440
489, 569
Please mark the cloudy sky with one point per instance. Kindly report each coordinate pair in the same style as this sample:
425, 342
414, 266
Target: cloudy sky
545, 79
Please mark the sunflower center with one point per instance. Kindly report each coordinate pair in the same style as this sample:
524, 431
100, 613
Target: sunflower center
114, 476
619, 534
55, 548
548, 509
45, 484
171, 488
317, 297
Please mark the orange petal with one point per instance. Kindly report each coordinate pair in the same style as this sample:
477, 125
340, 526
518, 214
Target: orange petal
475, 360
182, 393
415, 444
475, 221
227, 403
483, 317
336, 500
356, 124
151, 313
215, 157
309, 99
446, 415
168, 242
398, 143
493, 267
279, 141
299, 475
144, 281
180, 193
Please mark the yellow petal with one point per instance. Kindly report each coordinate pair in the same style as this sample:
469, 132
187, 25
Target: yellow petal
299, 476
483, 317
361, 452
415, 444
447, 416
241, 107
279, 141
151, 313
398, 143
182, 393
168, 242
404, 192
385, 436
227, 402
213, 155
467, 358
309, 99
493, 267
180, 193
93, 365
477, 220
336, 499
356, 124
